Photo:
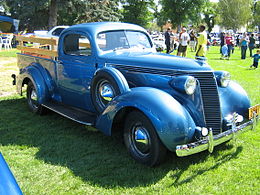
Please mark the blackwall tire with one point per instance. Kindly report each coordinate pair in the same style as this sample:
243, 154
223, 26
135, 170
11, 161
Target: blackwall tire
142, 141
32, 102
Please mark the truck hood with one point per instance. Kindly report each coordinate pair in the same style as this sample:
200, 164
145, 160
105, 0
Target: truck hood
155, 60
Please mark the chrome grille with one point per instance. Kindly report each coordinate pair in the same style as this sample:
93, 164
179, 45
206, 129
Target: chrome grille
210, 98
208, 86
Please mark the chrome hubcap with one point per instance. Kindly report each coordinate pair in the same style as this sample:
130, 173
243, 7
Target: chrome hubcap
33, 95
106, 92
142, 140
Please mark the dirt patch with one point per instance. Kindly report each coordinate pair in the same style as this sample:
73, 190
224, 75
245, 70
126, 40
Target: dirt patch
8, 61
8, 67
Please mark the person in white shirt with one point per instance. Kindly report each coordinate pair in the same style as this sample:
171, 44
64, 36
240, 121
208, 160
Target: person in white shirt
183, 42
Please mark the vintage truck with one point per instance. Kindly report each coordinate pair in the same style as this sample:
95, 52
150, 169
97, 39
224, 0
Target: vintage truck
109, 75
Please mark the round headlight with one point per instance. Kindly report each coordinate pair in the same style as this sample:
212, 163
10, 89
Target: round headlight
225, 79
190, 85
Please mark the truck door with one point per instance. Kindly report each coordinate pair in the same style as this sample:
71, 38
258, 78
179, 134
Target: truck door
76, 67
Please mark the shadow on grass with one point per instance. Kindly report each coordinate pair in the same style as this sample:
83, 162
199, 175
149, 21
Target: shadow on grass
219, 161
89, 154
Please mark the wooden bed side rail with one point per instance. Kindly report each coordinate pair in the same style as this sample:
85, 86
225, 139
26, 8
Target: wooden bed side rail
38, 46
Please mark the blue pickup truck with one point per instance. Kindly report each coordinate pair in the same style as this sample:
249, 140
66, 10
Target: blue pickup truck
109, 75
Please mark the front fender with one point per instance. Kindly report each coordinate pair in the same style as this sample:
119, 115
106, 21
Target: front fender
118, 76
32, 73
233, 99
171, 120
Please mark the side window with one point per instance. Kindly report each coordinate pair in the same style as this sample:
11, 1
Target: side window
76, 45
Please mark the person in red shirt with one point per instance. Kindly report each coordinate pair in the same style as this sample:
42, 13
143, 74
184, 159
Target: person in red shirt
229, 41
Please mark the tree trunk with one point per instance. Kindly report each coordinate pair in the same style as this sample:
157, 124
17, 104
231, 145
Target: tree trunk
53, 13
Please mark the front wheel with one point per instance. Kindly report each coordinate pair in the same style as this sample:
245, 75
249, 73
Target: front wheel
32, 100
142, 140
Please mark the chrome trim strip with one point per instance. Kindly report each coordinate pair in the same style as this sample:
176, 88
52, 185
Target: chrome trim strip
211, 141
62, 114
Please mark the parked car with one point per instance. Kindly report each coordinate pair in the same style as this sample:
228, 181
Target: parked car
54, 32
159, 43
109, 75
8, 184
215, 41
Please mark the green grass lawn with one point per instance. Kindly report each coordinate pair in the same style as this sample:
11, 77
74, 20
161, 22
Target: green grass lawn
53, 155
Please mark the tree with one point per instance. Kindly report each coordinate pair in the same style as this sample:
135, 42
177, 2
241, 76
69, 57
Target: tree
210, 14
96, 11
137, 11
53, 13
44, 14
180, 12
234, 13
256, 15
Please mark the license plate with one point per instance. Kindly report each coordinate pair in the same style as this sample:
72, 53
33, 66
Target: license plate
254, 109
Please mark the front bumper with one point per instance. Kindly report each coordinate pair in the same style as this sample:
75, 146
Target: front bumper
211, 141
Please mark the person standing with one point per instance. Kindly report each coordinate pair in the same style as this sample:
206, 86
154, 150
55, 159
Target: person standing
244, 42
229, 42
192, 41
251, 44
237, 40
184, 40
222, 41
202, 42
167, 36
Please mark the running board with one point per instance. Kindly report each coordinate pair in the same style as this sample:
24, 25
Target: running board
72, 113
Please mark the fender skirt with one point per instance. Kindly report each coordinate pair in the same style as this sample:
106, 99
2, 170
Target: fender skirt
171, 120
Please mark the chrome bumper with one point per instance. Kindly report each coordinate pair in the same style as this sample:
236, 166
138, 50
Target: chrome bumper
211, 141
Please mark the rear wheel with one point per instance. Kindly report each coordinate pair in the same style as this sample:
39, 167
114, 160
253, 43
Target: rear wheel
142, 140
32, 100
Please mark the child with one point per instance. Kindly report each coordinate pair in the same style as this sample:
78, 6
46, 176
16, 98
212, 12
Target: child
256, 59
224, 50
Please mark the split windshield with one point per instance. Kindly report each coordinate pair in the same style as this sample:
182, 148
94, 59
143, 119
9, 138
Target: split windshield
118, 40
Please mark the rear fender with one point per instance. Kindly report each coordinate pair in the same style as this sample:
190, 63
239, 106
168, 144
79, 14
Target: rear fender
171, 120
33, 74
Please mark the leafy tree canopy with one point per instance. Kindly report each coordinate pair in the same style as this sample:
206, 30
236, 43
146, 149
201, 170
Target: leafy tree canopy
235, 13
180, 12
210, 12
137, 11
42, 14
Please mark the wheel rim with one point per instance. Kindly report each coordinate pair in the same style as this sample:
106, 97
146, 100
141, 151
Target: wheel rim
140, 140
105, 92
33, 98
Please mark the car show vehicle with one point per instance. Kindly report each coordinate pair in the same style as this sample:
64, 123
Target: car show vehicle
159, 43
8, 184
109, 75
8, 24
54, 32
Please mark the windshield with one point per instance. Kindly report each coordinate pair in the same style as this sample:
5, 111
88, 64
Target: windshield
117, 40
